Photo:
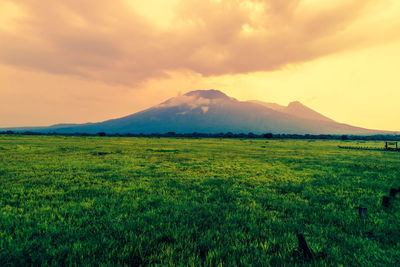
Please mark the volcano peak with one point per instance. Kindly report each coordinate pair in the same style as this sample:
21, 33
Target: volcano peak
208, 94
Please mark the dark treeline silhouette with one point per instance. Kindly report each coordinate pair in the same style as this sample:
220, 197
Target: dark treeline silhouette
380, 137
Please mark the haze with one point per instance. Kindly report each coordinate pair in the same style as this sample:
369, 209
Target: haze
79, 61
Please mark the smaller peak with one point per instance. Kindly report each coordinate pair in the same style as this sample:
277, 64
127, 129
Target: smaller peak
300, 110
209, 94
296, 104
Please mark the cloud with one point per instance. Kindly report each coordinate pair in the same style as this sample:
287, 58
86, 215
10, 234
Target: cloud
205, 109
112, 42
191, 101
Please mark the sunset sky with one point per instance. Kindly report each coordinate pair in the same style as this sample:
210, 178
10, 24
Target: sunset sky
78, 61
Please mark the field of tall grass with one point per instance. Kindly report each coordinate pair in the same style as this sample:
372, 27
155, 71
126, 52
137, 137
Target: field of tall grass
171, 201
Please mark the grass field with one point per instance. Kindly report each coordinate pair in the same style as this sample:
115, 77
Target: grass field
140, 201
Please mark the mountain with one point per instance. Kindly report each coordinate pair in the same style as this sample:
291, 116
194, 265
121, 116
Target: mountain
212, 111
296, 109
273, 106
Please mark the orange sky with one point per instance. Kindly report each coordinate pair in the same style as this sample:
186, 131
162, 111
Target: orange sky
92, 60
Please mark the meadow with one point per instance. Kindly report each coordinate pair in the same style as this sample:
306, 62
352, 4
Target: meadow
174, 201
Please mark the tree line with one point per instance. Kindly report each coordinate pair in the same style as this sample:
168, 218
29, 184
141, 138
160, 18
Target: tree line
379, 137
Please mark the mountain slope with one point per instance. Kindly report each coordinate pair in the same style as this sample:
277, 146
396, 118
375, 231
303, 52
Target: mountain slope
296, 109
273, 106
211, 111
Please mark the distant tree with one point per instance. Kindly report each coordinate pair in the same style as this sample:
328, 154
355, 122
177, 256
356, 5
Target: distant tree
251, 135
30, 133
268, 135
9, 132
229, 134
171, 133
101, 134
344, 137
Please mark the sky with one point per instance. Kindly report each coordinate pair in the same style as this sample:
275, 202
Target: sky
74, 61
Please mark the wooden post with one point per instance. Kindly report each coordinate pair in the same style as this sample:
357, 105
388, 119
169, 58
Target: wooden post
362, 211
386, 145
304, 247
385, 201
393, 192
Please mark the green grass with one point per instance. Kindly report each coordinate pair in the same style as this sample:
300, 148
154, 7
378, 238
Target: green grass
141, 201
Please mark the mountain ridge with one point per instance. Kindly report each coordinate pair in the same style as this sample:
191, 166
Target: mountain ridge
212, 111
295, 108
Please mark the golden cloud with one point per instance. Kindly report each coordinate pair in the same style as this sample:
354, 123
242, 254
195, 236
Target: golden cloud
112, 42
